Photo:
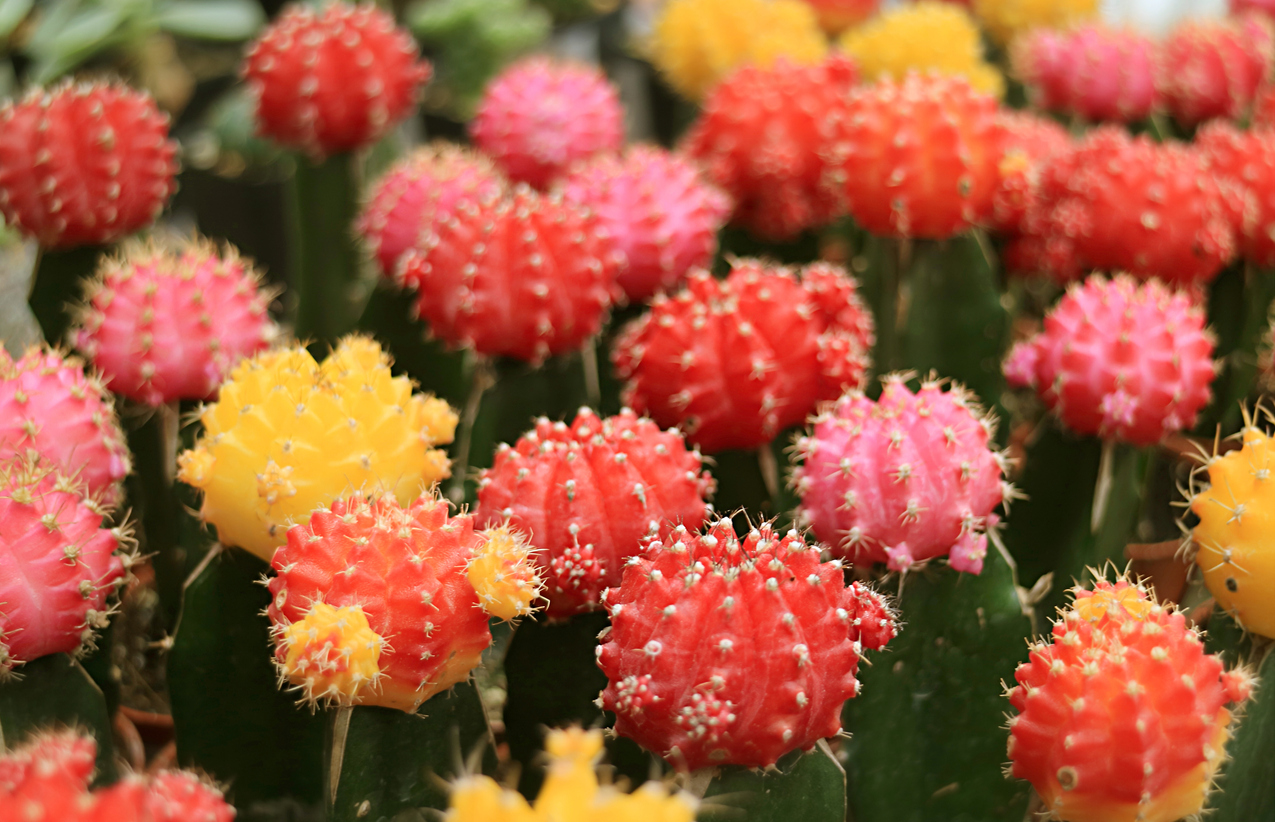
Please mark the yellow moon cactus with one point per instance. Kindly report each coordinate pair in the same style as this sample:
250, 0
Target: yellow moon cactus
1235, 537
289, 434
698, 42
1004, 19
571, 792
924, 37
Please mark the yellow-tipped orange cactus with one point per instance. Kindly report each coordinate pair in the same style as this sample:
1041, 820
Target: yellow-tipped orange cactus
698, 42
926, 36
1235, 537
289, 434
374, 603
571, 792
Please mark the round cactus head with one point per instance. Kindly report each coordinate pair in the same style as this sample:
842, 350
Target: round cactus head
903, 479
84, 163
1213, 68
760, 137
72, 563
695, 678
571, 791
334, 79
289, 434
925, 36
374, 603
527, 276
1120, 714
697, 43
49, 404
915, 157
1093, 72
136, 325
733, 362
588, 493
540, 116
1120, 360
1232, 547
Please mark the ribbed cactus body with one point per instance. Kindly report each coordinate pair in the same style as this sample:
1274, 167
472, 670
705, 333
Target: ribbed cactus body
728, 651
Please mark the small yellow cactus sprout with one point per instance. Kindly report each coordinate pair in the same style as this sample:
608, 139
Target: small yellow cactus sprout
1235, 537
924, 37
289, 434
1004, 19
332, 654
698, 42
504, 574
571, 792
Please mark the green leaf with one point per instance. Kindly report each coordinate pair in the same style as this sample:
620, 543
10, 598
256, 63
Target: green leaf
231, 718
810, 787
927, 737
956, 325
51, 692
553, 682
394, 761
12, 13
229, 20
1051, 531
88, 32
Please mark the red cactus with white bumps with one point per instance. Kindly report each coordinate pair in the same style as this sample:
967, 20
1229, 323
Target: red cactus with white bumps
725, 651
377, 604
48, 404
167, 324
1032, 145
1120, 360
1145, 208
84, 164
1122, 715
528, 276
1245, 162
1092, 72
588, 494
72, 562
539, 117
47, 778
332, 80
661, 214
733, 362
1213, 68
904, 479
419, 192
915, 158
760, 138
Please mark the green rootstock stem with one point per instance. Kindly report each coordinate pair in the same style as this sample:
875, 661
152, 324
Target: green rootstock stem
553, 681
153, 441
231, 717
810, 787
326, 260
481, 378
1245, 292
1055, 531
956, 325
57, 284
927, 738
750, 485
381, 762
55, 692
1246, 790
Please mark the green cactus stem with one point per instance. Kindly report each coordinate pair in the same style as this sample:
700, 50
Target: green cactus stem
381, 762
927, 741
553, 682
1246, 791
230, 717
1239, 306
806, 786
57, 283
56, 692
327, 264
1082, 508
